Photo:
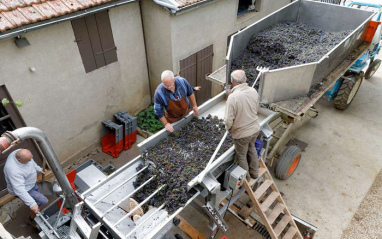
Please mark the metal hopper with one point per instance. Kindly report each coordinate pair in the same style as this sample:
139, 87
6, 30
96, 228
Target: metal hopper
296, 81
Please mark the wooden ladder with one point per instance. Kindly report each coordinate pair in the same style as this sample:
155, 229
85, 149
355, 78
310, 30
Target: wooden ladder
271, 207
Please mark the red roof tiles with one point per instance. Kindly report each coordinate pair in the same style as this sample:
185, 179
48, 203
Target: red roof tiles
184, 3
15, 13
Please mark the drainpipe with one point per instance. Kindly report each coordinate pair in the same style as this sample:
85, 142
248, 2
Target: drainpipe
147, 59
172, 7
10, 139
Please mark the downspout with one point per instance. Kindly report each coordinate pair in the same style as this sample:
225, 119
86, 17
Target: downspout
147, 59
10, 139
163, 4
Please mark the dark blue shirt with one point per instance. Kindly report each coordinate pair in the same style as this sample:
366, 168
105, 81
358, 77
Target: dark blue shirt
162, 96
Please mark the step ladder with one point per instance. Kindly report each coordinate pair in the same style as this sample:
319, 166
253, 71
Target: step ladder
271, 207
78, 222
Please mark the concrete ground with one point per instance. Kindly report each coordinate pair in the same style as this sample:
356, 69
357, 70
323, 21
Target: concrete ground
340, 163
331, 183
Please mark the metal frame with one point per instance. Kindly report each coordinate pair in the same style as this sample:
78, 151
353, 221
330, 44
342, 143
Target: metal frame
289, 82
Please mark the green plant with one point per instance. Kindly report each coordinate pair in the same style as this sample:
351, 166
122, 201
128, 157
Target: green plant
147, 121
18, 103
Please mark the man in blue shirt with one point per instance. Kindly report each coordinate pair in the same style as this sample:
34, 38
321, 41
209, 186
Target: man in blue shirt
172, 99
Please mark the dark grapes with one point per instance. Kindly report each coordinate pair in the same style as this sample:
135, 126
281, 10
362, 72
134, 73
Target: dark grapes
178, 159
286, 44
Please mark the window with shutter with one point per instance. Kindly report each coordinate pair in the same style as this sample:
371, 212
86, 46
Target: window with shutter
10, 119
95, 40
195, 68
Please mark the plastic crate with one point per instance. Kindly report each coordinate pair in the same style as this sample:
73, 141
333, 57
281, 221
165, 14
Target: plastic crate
259, 145
112, 138
129, 128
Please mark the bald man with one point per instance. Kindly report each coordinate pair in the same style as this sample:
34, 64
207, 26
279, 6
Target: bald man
21, 175
242, 121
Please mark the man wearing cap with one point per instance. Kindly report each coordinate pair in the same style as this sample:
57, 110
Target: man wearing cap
242, 121
172, 99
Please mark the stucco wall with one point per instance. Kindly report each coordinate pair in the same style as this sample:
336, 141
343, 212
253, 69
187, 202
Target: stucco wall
194, 30
157, 29
65, 102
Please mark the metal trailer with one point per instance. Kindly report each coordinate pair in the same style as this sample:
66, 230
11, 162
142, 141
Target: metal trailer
104, 210
293, 91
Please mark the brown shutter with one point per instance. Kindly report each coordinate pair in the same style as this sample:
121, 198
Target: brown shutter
204, 67
106, 36
11, 119
188, 69
195, 68
84, 45
95, 40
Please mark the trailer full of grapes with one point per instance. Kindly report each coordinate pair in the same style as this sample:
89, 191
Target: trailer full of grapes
306, 46
142, 198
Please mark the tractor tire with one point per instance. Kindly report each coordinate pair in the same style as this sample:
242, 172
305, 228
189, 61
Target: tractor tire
288, 162
373, 67
347, 91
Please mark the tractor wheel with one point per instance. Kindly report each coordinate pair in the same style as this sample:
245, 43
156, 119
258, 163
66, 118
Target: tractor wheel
347, 91
374, 65
288, 162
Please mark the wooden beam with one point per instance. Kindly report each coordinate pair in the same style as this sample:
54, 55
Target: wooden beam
189, 229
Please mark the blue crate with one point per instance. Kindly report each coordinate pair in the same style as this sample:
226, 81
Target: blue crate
259, 146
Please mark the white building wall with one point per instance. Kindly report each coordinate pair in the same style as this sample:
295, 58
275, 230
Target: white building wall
60, 98
193, 30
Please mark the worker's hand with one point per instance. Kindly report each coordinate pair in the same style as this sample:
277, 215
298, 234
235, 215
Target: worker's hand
197, 88
43, 171
196, 110
34, 208
169, 127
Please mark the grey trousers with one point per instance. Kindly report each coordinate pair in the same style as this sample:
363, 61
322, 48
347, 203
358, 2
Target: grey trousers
247, 155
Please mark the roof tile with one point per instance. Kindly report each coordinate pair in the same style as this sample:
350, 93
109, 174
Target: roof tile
30, 2
88, 3
14, 13
13, 4
4, 23
101, 1
46, 9
73, 5
15, 17
3, 7
31, 14
59, 7
184, 3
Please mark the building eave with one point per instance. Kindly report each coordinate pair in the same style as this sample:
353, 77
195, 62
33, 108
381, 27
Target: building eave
68, 17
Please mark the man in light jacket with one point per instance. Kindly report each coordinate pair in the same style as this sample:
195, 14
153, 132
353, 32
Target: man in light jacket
21, 175
242, 121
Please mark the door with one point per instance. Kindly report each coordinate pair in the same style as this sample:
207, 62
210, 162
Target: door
195, 68
10, 119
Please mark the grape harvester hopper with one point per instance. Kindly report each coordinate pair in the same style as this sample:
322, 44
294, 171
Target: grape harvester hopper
293, 91
104, 209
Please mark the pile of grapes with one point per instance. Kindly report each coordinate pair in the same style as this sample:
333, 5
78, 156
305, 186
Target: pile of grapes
177, 159
286, 44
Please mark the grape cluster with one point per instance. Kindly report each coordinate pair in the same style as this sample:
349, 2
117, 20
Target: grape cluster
286, 44
178, 159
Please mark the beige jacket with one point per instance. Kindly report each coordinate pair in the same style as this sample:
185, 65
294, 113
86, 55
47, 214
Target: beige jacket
241, 111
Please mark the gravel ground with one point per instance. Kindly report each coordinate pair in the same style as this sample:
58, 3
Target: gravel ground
367, 221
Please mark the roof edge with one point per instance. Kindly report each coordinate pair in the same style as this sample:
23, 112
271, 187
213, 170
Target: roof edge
67, 17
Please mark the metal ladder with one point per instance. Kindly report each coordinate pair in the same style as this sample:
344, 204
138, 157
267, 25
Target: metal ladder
78, 222
271, 207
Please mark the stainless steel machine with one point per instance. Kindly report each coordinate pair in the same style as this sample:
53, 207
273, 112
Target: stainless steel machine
100, 207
